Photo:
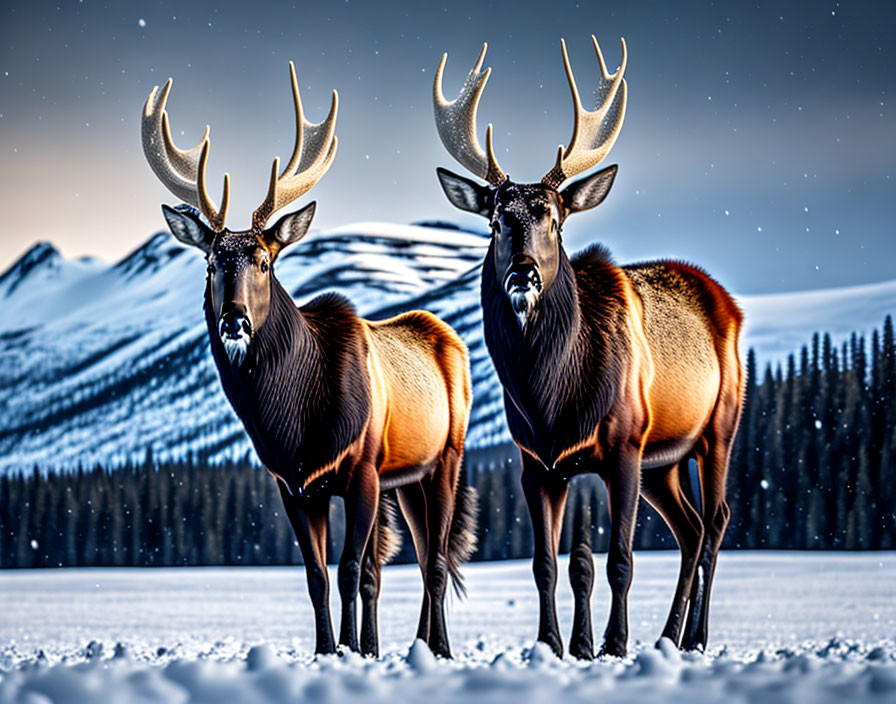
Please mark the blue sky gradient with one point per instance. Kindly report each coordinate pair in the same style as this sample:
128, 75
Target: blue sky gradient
759, 141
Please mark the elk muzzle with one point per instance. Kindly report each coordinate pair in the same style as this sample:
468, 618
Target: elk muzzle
523, 285
235, 330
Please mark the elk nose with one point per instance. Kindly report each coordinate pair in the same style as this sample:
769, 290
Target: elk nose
522, 273
234, 320
231, 325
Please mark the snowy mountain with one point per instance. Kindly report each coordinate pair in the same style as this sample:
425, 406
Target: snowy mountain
99, 362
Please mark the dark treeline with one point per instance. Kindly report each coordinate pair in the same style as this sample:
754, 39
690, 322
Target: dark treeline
813, 467
814, 464
151, 514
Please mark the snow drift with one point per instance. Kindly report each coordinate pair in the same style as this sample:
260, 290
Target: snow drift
787, 627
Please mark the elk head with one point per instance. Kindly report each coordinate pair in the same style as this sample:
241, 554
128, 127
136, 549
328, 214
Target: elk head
527, 218
240, 263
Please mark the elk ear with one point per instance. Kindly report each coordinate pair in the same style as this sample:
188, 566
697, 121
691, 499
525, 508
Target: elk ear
464, 193
291, 227
588, 192
185, 225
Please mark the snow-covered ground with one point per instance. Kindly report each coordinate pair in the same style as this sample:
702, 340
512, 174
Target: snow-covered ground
785, 627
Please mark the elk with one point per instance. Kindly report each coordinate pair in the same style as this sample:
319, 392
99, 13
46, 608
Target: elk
623, 371
334, 404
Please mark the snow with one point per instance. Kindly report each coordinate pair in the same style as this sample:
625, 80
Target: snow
410, 233
779, 324
785, 627
94, 358
99, 362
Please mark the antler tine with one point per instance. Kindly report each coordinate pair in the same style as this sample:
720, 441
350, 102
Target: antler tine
215, 217
182, 172
313, 154
595, 131
175, 168
456, 122
300, 120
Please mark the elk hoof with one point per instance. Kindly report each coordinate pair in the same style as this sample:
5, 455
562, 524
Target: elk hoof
441, 650
553, 641
370, 647
694, 642
614, 648
581, 649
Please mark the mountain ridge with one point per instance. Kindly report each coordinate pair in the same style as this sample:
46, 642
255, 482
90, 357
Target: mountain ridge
99, 362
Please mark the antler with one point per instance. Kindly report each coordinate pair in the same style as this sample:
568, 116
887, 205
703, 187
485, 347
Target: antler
595, 131
312, 155
456, 122
183, 172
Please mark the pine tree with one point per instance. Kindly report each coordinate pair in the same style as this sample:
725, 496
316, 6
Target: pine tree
234, 522
7, 531
884, 520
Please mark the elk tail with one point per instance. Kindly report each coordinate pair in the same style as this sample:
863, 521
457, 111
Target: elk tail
388, 533
581, 563
582, 525
462, 540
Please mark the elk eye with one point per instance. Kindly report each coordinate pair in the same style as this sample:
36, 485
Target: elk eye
264, 267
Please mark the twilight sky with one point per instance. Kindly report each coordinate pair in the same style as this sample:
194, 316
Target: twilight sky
759, 140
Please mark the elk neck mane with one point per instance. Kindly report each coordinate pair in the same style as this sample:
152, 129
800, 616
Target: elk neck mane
561, 374
303, 392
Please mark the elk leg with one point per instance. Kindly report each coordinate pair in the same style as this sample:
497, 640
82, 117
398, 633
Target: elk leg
412, 501
370, 592
309, 523
715, 519
546, 498
581, 577
718, 438
440, 490
622, 479
661, 487
361, 503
